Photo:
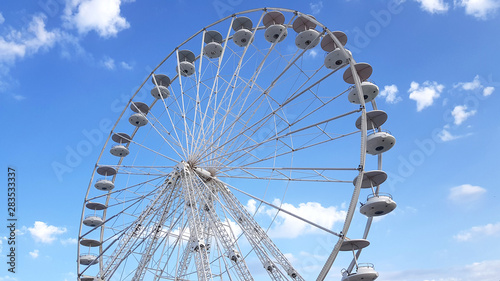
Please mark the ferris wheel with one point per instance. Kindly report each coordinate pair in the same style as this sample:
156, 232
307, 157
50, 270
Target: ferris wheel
264, 106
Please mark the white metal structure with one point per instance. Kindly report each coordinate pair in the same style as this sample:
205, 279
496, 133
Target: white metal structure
238, 111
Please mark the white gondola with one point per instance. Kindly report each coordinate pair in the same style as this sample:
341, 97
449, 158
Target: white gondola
364, 272
119, 150
104, 185
213, 49
378, 205
88, 259
160, 92
307, 39
369, 90
186, 63
160, 80
337, 59
275, 30
379, 142
93, 220
138, 119
243, 34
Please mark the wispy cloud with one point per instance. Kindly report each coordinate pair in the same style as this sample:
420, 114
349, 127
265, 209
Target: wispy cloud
316, 7
483, 270
465, 193
108, 63
445, 135
125, 65
68, 241
34, 254
2, 19
478, 232
425, 94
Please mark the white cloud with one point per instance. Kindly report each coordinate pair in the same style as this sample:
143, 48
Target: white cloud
480, 9
433, 6
390, 93
69, 241
488, 91
8, 278
34, 254
18, 97
108, 63
125, 65
251, 206
19, 43
465, 193
102, 16
474, 85
287, 226
44, 233
460, 114
316, 7
426, 94
312, 53
470, 86
2, 19
445, 135
484, 271
477, 232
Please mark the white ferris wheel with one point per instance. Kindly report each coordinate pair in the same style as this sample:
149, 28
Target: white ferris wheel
239, 111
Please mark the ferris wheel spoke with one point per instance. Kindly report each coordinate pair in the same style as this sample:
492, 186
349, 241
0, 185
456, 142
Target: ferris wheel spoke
156, 233
253, 144
126, 244
258, 238
161, 129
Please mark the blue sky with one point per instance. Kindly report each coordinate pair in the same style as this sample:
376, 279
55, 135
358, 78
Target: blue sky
66, 74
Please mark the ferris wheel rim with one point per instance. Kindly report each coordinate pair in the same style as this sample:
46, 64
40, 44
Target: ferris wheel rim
356, 80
